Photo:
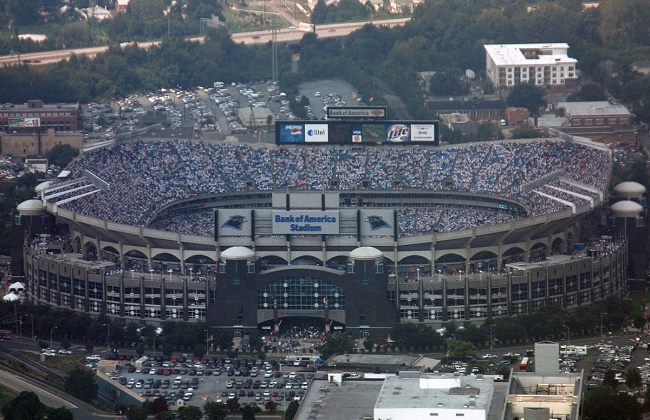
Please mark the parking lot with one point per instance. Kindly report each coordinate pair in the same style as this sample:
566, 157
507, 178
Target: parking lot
216, 378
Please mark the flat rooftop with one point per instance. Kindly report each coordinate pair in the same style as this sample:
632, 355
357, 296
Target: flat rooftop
529, 54
594, 108
349, 400
415, 390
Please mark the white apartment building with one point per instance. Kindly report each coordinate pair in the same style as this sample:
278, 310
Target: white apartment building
545, 65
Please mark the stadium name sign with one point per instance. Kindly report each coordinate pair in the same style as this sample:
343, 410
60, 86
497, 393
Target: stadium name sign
305, 222
356, 112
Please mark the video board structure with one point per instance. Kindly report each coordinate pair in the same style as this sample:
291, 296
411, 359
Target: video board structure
357, 132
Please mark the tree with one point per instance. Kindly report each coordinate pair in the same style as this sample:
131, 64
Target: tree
82, 384
292, 410
65, 344
369, 343
271, 406
25, 406
60, 413
458, 349
610, 379
166, 415
447, 84
248, 413
232, 404
488, 131
604, 403
190, 412
524, 132
337, 343
527, 95
591, 91
62, 154
159, 405
633, 378
136, 413
215, 410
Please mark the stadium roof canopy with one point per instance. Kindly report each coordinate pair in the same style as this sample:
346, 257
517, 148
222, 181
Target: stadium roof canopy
237, 253
31, 207
626, 209
629, 189
366, 253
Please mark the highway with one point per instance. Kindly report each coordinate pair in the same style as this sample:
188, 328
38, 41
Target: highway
256, 37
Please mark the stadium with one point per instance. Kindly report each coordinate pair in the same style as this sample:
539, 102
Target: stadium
255, 238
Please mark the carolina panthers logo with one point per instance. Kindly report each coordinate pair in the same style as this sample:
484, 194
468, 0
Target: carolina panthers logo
377, 222
235, 222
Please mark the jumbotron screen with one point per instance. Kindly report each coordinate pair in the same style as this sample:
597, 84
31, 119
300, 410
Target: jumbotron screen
355, 132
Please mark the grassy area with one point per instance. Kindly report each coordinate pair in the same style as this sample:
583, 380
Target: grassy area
7, 394
65, 364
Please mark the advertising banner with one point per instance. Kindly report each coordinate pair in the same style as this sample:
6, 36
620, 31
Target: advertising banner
355, 132
24, 122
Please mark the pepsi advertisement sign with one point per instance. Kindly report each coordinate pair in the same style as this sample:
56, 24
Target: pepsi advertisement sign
354, 132
291, 133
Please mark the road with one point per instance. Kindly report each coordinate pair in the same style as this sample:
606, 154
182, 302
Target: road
256, 37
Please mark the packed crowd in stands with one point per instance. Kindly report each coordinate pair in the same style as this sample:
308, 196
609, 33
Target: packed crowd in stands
146, 176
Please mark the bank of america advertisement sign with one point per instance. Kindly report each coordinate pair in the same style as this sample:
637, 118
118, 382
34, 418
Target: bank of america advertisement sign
305, 222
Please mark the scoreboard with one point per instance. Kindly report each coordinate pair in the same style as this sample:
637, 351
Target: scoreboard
357, 132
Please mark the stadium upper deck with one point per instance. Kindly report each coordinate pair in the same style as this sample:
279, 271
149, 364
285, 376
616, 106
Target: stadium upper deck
140, 179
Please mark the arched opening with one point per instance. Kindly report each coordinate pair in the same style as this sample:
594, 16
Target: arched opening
91, 251
338, 263
450, 264
201, 266
135, 260
512, 255
538, 252
306, 260
271, 261
109, 253
557, 247
409, 266
164, 262
483, 261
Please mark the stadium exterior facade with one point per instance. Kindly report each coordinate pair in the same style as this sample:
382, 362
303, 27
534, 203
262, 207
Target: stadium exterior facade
354, 280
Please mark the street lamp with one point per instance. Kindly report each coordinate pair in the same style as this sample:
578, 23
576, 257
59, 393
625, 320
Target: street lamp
108, 334
568, 335
207, 341
52, 331
601, 324
170, 271
191, 273
491, 336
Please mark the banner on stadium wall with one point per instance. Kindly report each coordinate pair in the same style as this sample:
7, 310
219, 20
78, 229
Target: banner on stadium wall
377, 222
353, 132
305, 222
233, 222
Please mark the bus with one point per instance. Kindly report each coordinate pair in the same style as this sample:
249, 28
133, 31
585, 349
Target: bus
5, 335
525, 363
573, 350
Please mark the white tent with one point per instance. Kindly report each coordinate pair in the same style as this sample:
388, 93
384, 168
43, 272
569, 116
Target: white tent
17, 287
10, 297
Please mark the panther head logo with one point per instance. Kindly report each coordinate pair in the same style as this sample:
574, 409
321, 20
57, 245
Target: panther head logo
377, 222
235, 222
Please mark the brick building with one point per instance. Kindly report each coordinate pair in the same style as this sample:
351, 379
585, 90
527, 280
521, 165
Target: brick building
35, 114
